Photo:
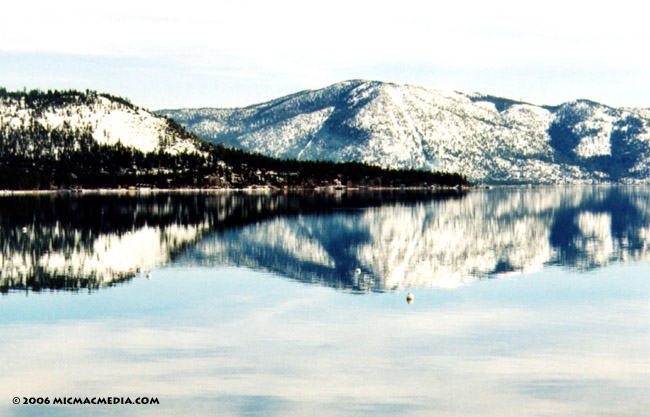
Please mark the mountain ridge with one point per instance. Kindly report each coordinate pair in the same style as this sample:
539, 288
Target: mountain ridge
488, 138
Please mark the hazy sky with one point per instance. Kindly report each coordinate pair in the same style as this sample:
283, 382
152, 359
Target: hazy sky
191, 53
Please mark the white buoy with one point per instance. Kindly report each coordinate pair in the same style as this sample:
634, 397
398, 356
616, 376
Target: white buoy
409, 298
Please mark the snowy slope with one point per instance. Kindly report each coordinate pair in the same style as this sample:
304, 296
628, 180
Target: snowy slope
488, 139
108, 120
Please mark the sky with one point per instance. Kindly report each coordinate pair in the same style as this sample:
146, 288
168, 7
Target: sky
171, 54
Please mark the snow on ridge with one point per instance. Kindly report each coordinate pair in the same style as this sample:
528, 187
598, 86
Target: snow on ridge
109, 122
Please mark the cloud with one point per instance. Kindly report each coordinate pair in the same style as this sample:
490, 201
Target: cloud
289, 36
288, 45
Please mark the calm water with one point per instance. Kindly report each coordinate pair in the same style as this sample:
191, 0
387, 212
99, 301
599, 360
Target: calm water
528, 302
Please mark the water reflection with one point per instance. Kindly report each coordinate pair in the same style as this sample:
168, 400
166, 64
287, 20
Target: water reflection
360, 241
72, 241
606, 225
443, 243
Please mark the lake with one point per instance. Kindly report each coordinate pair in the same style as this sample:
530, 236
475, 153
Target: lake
527, 302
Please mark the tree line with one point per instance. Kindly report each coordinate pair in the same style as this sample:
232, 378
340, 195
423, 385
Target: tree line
37, 98
117, 166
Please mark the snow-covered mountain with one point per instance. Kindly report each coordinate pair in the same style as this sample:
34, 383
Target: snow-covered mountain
106, 119
487, 138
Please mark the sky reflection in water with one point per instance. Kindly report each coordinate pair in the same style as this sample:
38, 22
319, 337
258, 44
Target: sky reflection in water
217, 340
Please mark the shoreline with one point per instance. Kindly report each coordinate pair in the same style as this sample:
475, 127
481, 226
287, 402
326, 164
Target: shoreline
267, 189
254, 189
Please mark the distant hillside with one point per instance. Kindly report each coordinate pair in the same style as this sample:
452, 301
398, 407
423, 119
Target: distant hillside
489, 139
64, 139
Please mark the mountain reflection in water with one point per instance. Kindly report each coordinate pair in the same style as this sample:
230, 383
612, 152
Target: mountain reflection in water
357, 241
88, 240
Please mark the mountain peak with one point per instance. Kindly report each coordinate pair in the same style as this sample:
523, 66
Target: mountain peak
488, 138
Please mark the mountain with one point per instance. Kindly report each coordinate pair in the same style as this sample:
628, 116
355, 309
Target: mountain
64, 139
68, 138
106, 119
489, 139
